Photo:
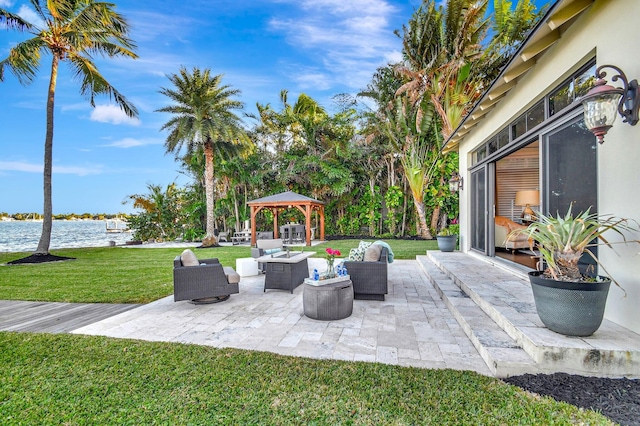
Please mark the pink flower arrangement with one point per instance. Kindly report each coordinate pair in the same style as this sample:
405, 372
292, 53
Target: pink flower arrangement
331, 254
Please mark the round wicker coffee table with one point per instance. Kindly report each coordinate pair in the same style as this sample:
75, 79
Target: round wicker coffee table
328, 302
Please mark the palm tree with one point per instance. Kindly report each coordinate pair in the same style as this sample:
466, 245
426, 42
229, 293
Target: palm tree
73, 31
160, 212
203, 119
439, 46
412, 130
312, 145
444, 61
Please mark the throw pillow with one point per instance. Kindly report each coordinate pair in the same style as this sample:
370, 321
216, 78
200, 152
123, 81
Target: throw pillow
363, 245
388, 247
188, 258
372, 253
356, 255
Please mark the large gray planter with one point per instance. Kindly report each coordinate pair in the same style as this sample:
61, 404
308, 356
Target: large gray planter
447, 242
569, 308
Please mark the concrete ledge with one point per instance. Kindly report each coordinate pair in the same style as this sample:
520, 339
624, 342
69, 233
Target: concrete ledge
501, 353
506, 298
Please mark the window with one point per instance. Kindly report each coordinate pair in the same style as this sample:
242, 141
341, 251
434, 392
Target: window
577, 86
559, 98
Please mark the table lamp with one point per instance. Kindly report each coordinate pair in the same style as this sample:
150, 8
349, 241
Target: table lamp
528, 198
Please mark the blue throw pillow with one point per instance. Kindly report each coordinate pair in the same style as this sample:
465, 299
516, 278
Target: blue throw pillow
271, 251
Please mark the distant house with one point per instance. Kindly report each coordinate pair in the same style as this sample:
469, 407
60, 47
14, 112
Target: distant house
527, 133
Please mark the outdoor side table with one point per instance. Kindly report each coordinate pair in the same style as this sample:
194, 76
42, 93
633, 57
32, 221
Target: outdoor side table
328, 301
246, 266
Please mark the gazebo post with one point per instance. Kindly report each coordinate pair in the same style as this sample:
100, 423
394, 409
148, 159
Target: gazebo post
275, 222
254, 212
321, 223
307, 227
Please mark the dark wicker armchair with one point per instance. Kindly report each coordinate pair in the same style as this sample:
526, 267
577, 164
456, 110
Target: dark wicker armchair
369, 278
208, 282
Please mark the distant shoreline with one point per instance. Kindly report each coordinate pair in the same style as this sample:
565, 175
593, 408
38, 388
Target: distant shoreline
24, 235
12, 219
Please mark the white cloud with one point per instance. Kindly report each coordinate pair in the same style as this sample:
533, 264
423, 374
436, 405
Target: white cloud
31, 16
151, 25
393, 57
21, 166
352, 38
316, 80
6, 3
112, 114
132, 142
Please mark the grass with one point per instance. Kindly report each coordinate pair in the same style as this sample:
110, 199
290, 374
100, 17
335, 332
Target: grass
131, 275
73, 380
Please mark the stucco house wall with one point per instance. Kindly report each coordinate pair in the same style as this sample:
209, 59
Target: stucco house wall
609, 31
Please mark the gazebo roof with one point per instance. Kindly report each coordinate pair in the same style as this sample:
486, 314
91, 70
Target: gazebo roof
284, 198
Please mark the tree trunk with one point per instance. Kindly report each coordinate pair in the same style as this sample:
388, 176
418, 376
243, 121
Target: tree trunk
47, 220
435, 218
404, 210
236, 210
372, 212
208, 189
422, 219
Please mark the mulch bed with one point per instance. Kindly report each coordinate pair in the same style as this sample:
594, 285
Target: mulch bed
618, 399
39, 258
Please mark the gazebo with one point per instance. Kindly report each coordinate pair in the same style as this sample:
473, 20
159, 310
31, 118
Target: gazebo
286, 200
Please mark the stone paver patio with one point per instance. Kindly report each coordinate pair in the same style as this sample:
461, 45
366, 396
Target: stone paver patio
412, 327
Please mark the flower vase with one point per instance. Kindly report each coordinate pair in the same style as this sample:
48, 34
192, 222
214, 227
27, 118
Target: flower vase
330, 271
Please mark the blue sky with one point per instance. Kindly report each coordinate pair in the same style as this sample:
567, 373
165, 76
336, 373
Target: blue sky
318, 47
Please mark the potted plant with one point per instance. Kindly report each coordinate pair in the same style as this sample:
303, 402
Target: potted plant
447, 239
570, 301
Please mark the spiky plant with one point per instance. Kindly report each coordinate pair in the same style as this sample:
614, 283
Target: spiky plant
562, 240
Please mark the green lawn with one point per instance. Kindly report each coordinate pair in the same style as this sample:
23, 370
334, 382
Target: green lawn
131, 275
76, 380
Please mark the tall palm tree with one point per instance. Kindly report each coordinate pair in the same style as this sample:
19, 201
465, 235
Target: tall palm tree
73, 31
203, 119
412, 130
439, 46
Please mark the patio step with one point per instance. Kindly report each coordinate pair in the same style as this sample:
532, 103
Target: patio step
501, 353
505, 296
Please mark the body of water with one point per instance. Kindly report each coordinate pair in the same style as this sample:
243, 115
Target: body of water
23, 236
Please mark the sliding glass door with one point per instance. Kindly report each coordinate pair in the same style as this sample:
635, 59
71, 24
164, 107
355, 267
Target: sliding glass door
482, 196
571, 172
570, 177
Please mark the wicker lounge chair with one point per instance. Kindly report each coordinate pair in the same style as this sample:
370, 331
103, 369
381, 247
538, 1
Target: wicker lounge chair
369, 278
207, 282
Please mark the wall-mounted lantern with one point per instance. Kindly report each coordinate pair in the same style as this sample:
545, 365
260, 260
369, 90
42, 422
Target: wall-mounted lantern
603, 101
456, 182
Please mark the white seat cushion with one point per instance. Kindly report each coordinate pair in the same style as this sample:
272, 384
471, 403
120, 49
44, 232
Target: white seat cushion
372, 253
188, 258
232, 276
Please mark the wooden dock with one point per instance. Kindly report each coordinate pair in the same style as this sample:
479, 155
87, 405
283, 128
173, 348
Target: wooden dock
54, 317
